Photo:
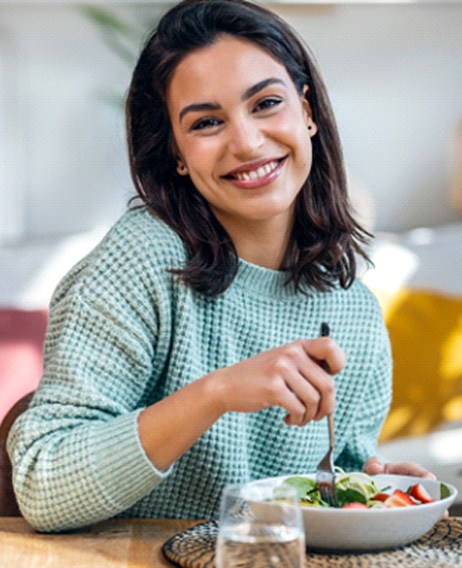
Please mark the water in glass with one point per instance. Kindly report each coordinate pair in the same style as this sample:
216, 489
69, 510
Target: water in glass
259, 530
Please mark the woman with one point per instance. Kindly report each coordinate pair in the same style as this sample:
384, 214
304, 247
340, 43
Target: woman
183, 353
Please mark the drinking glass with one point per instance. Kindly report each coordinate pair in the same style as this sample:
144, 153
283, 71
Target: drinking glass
260, 526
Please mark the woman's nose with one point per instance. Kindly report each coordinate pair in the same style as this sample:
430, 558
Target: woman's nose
245, 139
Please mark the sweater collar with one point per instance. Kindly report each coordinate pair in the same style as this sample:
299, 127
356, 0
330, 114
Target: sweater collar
263, 281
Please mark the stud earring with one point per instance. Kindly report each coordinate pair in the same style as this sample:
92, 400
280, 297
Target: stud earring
309, 127
181, 168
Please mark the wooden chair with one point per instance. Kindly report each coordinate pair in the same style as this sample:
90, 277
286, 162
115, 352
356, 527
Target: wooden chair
8, 504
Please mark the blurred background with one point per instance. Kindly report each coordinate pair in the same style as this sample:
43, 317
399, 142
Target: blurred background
394, 73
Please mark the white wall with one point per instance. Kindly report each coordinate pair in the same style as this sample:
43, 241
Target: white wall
69, 170
395, 77
394, 73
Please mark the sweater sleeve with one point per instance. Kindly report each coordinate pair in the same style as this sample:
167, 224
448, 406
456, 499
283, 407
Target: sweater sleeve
76, 453
365, 426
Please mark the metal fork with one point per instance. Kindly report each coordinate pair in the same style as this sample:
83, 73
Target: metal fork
325, 472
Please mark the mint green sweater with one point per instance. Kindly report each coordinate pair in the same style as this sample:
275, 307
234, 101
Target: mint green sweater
125, 333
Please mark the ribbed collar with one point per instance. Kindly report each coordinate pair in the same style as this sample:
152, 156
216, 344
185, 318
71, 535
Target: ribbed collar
264, 281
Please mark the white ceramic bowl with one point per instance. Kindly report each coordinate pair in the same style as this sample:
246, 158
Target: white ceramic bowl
374, 529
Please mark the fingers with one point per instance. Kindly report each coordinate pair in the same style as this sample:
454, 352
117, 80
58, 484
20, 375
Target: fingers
293, 393
374, 466
324, 358
408, 468
325, 349
312, 384
294, 407
315, 388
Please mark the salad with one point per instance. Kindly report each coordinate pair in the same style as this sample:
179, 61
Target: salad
358, 490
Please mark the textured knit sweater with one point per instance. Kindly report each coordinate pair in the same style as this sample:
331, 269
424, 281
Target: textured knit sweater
124, 332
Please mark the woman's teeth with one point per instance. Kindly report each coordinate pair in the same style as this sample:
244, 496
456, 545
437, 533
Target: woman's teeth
258, 173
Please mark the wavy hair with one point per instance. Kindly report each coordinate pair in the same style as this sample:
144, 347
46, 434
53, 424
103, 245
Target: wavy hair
325, 239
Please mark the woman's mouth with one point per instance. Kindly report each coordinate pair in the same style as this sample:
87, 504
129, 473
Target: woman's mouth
258, 175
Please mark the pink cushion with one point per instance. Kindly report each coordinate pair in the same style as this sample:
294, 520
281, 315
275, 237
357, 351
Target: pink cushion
22, 333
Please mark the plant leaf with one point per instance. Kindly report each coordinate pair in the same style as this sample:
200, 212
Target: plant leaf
303, 485
109, 21
346, 496
444, 491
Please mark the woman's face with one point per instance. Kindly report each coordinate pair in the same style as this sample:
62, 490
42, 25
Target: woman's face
241, 129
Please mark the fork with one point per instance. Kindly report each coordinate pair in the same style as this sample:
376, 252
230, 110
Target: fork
325, 472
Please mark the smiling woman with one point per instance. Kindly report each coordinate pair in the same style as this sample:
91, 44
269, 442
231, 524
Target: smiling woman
183, 353
247, 152
322, 214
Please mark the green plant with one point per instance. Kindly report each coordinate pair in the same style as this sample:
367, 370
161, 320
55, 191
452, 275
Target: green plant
121, 37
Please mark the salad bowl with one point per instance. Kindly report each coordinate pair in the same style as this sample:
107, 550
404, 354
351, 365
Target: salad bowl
376, 528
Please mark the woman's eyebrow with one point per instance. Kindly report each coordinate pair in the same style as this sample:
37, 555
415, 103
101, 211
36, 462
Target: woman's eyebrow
197, 107
248, 93
260, 86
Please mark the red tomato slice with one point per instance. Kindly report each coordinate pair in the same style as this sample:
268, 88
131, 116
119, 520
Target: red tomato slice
355, 505
380, 497
399, 499
419, 492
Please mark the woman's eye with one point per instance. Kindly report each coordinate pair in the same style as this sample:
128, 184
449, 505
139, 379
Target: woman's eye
205, 123
268, 103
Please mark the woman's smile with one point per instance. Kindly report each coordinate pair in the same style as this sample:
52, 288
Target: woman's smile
241, 129
256, 175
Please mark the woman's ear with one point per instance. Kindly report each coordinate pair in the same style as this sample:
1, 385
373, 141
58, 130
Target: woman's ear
181, 167
310, 123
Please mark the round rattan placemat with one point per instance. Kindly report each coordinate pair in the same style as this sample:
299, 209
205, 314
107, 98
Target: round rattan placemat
440, 547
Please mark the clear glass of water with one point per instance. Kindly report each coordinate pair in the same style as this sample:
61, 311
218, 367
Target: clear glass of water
260, 526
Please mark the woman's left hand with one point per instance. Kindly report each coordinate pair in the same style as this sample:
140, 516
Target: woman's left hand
374, 466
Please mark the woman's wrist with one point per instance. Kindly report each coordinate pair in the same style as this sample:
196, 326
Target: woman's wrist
171, 426
214, 393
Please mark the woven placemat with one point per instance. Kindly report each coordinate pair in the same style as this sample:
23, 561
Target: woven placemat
440, 547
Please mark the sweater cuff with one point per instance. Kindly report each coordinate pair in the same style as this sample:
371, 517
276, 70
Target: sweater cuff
121, 467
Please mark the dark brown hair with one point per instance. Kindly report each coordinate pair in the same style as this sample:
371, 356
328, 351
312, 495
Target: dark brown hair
325, 237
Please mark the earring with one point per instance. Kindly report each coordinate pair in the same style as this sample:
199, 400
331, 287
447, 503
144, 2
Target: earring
309, 126
181, 168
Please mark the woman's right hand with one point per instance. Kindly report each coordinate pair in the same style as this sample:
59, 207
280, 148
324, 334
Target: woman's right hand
290, 376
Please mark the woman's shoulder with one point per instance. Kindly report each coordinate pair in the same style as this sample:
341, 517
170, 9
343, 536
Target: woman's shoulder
139, 229
360, 301
359, 322
138, 251
139, 239
364, 294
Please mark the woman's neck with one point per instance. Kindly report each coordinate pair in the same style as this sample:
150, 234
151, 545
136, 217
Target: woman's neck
261, 243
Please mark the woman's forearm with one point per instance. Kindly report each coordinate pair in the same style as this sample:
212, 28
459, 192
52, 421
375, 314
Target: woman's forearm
168, 428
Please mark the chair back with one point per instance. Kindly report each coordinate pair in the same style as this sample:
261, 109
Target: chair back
8, 504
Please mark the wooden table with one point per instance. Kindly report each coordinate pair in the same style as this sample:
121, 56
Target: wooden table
137, 543
119, 543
